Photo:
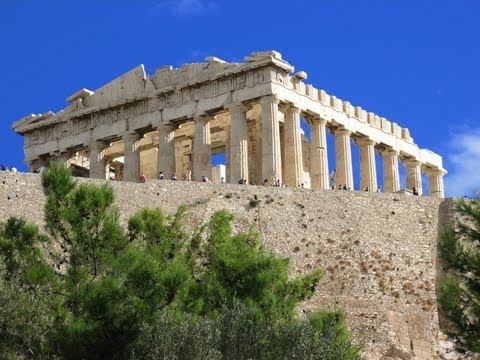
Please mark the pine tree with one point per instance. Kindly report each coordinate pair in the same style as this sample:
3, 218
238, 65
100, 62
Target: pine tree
460, 291
99, 290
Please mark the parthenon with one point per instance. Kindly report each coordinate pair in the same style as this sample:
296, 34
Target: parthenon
174, 120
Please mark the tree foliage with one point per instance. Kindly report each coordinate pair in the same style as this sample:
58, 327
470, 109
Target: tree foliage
88, 289
460, 291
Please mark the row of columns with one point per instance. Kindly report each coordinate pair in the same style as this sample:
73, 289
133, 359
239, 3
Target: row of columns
271, 160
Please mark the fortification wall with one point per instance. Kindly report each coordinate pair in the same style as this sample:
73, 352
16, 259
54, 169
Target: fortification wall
378, 250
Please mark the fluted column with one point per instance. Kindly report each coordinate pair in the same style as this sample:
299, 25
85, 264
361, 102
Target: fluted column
414, 175
166, 149
238, 144
271, 158
98, 166
343, 156
118, 168
318, 155
368, 168
131, 168
293, 147
435, 182
227, 130
391, 179
202, 148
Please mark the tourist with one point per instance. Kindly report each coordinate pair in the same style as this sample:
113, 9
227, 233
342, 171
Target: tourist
205, 179
4, 168
379, 189
240, 182
265, 182
161, 176
415, 191
173, 177
141, 178
222, 180
13, 169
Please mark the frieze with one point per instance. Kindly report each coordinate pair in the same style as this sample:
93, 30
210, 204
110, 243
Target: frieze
173, 98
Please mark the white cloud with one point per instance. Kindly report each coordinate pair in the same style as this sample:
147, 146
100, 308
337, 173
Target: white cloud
463, 164
186, 7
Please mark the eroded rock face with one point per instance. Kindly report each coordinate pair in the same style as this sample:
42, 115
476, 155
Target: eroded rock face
378, 251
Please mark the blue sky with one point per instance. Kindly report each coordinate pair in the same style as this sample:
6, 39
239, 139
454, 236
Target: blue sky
414, 62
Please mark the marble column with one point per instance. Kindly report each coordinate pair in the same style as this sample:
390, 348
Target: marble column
98, 165
271, 158
435, 182
368, 168
118, 168
318, 155
202, 148
166, 150
391, 179
414, 175
293, 175
343, 157
238, 144
131, 155
227, 154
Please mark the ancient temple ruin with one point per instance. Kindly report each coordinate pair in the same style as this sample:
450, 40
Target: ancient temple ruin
174, 120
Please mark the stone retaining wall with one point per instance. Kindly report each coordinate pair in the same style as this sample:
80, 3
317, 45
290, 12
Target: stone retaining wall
378, 251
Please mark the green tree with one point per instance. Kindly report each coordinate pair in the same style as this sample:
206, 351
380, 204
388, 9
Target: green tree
103, 290
237, 334
25, 319
460, 291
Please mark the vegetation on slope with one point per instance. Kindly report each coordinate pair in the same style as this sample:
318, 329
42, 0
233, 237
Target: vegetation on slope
460, 291
88, 289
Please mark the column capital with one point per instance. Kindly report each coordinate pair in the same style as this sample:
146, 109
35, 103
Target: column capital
365, 141
435, 171
269, 99
290, 108
342, 131
411, 162
389, 152
133, 136
204, 118
167, 125
237, 107
320, 120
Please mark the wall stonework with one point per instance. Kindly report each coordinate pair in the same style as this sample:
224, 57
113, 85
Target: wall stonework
378, 251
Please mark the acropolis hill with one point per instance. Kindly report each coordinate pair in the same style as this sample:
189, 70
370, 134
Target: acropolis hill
378, 249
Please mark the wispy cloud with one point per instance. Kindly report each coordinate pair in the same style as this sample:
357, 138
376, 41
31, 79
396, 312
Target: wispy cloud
186, 7
464, 164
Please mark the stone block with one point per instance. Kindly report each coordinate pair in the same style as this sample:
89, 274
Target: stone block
336, 103
396, 130
386, 125
348, 108
363, 116
324, 97
301, 87
311, 91
406, 134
